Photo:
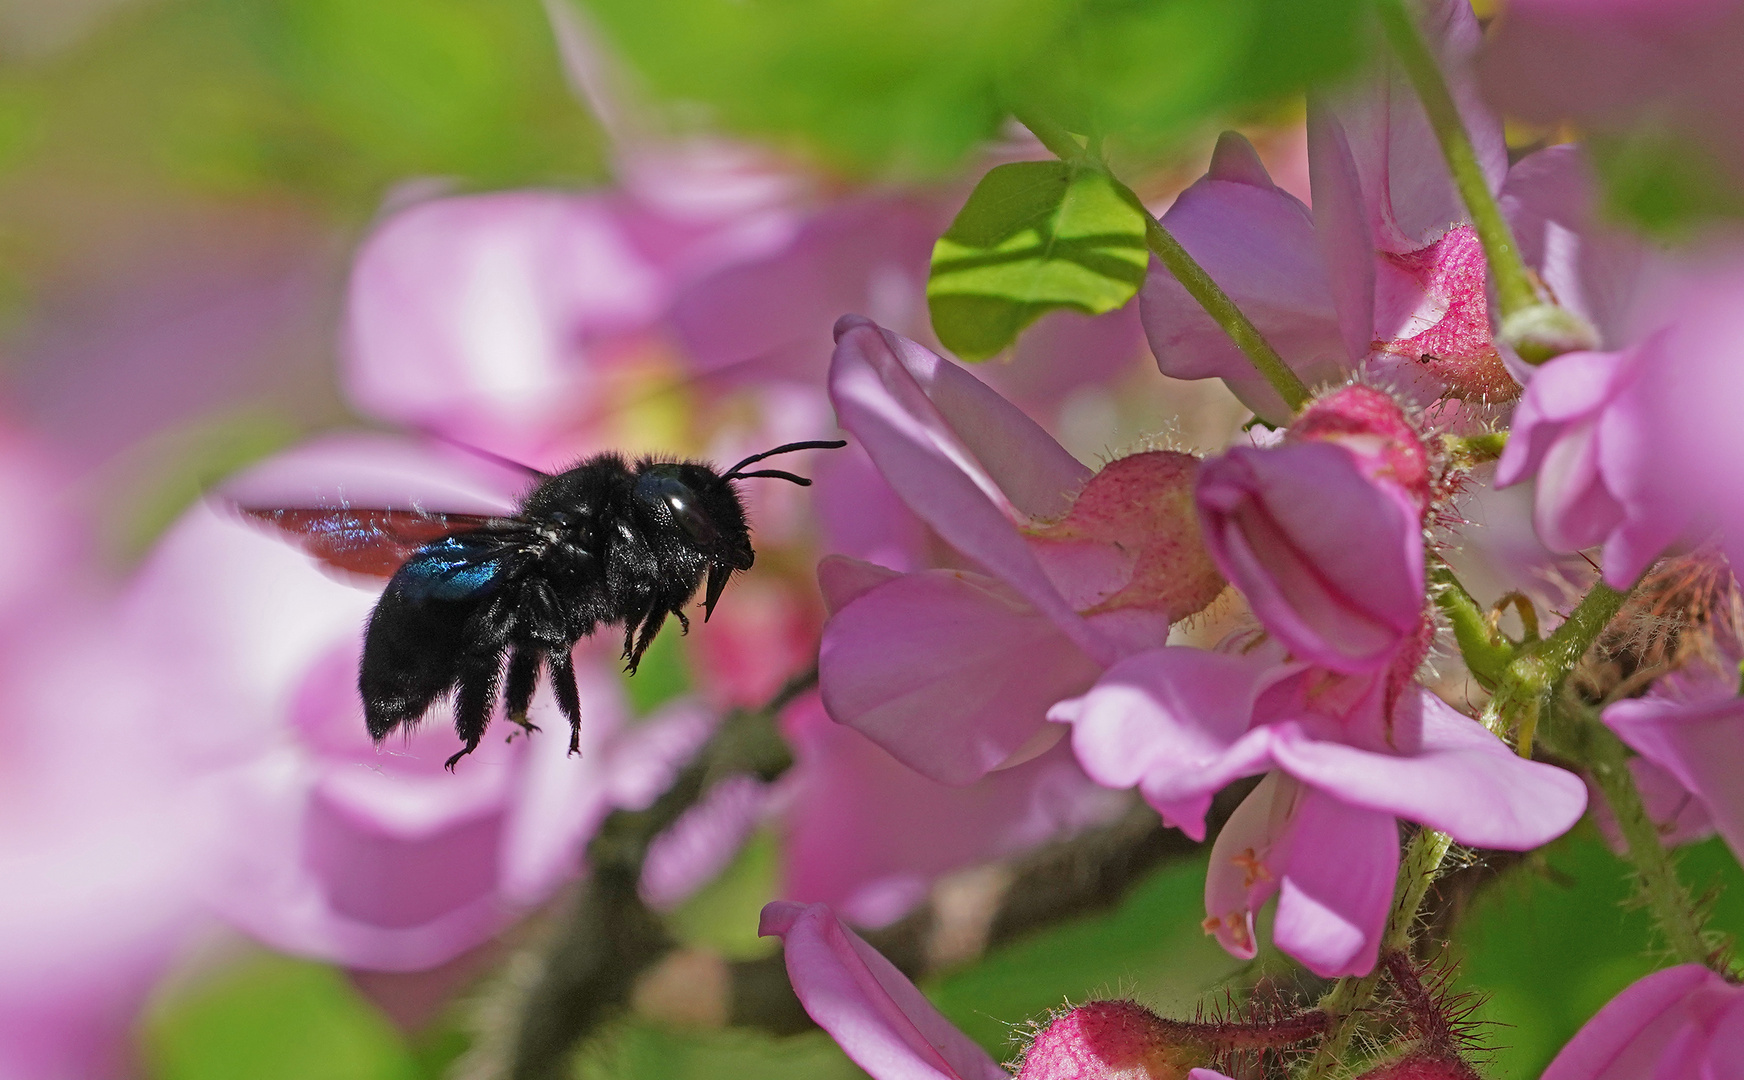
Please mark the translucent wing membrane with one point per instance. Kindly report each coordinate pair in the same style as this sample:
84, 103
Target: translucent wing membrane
364, 541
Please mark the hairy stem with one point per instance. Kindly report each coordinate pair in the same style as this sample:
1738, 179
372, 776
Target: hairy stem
1191, 275
1539, 668
1345, 1002
1675, 912
1486, 656
1515, 291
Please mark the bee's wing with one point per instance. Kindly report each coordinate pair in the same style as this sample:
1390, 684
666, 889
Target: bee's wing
363, 540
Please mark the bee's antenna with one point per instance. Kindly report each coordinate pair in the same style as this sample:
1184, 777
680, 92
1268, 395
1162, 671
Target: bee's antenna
787, 448
777, 473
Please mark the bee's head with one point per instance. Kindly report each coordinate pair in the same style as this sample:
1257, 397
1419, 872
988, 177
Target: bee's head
705, 512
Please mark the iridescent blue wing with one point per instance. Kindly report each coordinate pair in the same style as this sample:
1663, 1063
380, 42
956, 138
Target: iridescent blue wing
466, 566
363, 540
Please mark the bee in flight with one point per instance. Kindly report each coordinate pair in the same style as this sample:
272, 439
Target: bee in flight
476, 605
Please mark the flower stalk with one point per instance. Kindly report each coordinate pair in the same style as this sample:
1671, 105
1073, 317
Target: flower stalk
1676, 913
1346, 1001
1188, 272
1515, 291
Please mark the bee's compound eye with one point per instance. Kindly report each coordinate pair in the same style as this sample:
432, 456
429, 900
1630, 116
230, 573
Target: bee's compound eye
679, 500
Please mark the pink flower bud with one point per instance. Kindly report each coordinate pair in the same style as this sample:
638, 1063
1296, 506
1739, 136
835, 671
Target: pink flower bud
1110, 1039
1131, 540
1370, 424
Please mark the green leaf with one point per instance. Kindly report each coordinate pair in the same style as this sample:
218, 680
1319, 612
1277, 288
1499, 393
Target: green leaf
1151, 948
911, 86
273, 1018
1553, 940
1034, 236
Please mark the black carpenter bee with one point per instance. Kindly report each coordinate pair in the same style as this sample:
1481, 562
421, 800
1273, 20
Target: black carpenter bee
477, 604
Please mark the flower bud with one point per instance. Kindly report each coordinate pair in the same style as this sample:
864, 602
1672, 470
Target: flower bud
1132, 540
1105, 1040
1372, 426
1545, 331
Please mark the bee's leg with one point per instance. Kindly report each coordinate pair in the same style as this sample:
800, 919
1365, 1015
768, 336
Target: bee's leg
683, 621
518, 690
568, 697
650, 626
473, 703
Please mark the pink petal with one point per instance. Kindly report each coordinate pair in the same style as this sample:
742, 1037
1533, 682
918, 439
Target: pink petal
871, 1009
1257, 242
842, 580
1342, 231
478, 315
1175, 722
1594, 271
1451, 774
1700, 743
1570, 388
1404, 177
768, 317
964, 460
868, 835
1332, 865
1238, 880
949, 671
1337, 871
1629, 1037
1338, 577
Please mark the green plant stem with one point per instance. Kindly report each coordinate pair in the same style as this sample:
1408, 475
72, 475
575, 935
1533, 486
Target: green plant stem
1515, 291
1677, 914
1486, 656
1345, 1002
1222, 309
1538, 669
1190, 274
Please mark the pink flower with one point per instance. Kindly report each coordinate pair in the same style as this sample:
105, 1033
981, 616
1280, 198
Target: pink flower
1691, 726
952, 670
889, 1029
496, 318
1684, 1021
1324, 534
101, 846
1355, 754
1632, 449
1665, 66
868, 835
1384, 271
871, 1009
333, 848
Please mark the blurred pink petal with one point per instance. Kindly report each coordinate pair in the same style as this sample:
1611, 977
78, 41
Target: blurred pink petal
1338, 577
1677, 815
768, 317
869, 836
950, 671
479, 315
1685, 1021
1403, 176
1667, 66
1593, 270
872, 1011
